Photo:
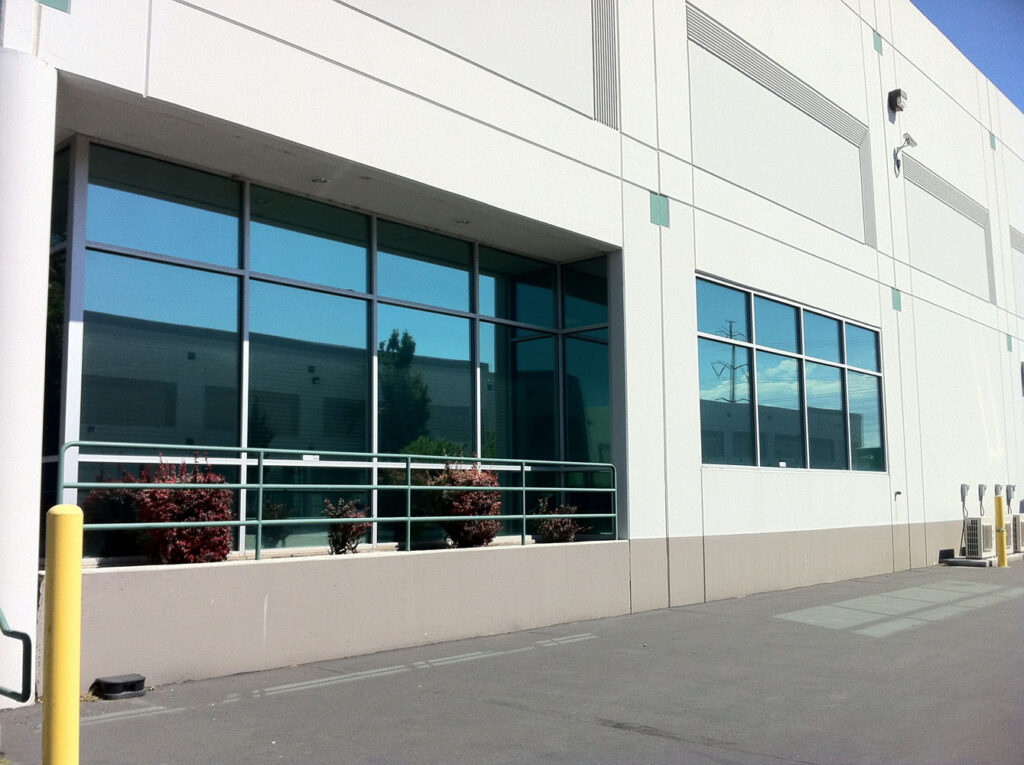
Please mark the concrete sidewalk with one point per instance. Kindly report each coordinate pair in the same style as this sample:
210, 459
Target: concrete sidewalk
924, 666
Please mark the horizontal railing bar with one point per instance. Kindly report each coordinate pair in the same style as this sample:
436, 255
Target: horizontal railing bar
400, 458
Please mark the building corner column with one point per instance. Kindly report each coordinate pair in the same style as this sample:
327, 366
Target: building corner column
28, 103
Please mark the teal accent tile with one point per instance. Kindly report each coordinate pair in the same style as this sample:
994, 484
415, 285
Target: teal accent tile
659, 210
897, 300
992, 139
1009, 342
60, 5
878, 42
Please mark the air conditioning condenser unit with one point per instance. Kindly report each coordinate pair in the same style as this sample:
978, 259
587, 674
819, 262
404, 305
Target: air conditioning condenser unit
979, 538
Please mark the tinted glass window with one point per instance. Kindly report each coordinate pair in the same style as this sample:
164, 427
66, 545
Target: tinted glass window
780, 411
519, 393
425, 381
726, 410
308, 370
865, 392
308, 241
587, 398
146, 204
517, 288
161, 353
722, 311
826, 421
861, 348
823, 337
585, 293
423, 267
778, 325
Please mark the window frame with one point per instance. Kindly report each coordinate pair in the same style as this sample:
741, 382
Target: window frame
802, 358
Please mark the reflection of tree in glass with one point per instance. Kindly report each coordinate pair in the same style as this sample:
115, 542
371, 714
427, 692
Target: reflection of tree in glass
260, 432
404, 399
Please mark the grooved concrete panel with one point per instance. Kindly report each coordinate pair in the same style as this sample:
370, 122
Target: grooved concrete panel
173, 623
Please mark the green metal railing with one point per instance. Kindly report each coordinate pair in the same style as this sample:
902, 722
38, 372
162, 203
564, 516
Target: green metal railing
260, 460
26, 662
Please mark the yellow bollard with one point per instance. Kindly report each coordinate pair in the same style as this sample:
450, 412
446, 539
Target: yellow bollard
1000, 531
62, 636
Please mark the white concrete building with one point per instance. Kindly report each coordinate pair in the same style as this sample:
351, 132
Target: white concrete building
687, 238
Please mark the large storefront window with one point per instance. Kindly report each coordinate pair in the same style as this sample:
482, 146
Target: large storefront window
783, 386
298, 325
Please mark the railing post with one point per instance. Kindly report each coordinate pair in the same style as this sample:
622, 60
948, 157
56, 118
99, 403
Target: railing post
408, 503
259, 506
62, 637
522, 484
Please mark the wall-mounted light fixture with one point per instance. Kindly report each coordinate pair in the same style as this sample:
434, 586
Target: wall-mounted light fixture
908, 143
898, 100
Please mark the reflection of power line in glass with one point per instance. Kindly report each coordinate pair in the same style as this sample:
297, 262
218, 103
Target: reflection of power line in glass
719, 367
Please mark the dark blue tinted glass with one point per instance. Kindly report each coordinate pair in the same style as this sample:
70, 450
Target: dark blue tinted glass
826, 421
423, 267
722, 311
585, 293
308, 370
517, 288
778, 325
587, 398
726, 411
861, 348
779, 411
308, 241
823, 337
866, 440
146, 204
425, 382
518, 393
161, 353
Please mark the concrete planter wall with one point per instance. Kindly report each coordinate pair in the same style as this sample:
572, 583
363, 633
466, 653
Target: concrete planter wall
173, 623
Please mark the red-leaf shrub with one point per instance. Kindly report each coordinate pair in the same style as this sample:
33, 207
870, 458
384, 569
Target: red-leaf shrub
202, 545
467, 533
548, 530
343, 538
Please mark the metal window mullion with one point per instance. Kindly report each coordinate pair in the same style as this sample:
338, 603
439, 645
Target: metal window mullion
846, 400
752, 377
371, 339
560, 365
74, 307
243, 378
476, 394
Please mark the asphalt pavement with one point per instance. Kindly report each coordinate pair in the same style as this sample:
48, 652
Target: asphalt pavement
923, 666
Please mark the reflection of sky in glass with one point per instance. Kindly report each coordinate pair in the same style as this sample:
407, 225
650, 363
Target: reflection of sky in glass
866, 401
776, 325
722, 311
861, 348
301, 314
778, 381
422, 282
141, 289
436, 335
824, 387
724, 371
308, 258
822, 337
158, 225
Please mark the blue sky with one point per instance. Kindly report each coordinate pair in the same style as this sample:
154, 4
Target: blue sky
990, 33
